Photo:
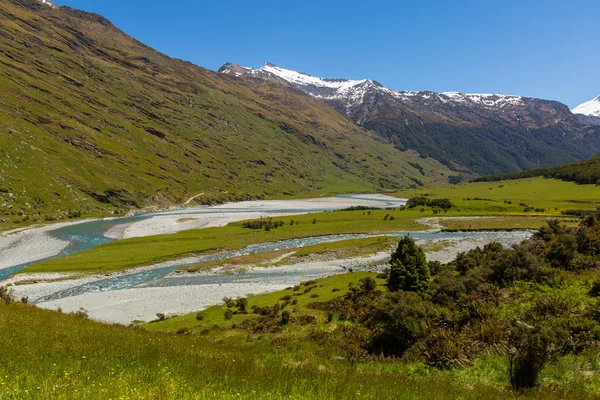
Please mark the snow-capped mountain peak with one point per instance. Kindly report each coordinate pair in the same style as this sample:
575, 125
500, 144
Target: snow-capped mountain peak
352, 93
590, 108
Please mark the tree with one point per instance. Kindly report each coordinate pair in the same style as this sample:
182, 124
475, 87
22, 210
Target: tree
408, 268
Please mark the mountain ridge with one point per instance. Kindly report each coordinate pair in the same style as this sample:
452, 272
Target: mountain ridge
482, 133
93, 121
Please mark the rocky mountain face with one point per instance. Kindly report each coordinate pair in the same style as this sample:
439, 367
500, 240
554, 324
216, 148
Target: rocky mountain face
93, 121
481, 133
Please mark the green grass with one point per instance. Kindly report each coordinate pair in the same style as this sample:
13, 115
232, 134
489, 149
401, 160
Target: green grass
550, 194
503, 222
48, 355
130, 253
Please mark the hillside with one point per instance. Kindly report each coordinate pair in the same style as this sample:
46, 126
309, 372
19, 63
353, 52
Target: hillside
583, 172
93, 121
482, 133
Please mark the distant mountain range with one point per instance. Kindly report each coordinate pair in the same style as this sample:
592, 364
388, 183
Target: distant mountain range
480, 133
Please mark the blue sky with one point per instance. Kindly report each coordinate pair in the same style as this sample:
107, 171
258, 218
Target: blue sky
548, 49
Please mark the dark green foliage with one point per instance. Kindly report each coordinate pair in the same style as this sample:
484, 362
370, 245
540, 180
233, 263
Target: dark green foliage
241, 305
360, 208
562, 251
228, 314
536, 338
417, 201
266, 224
285, 317
398, 321
595, 289
455, 179
446, 288
200, 317
532, 345
408, 267
367, 285
444, 204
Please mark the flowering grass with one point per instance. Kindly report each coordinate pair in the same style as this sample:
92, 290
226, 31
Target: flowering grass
48, 355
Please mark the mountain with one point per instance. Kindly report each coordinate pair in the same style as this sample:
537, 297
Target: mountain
481, 133
93, 121
590, 108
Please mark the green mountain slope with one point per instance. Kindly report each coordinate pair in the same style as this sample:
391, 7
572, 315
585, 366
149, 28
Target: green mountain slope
584, 172
91, 120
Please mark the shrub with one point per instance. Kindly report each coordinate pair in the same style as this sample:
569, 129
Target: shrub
161, 316
199, 317
595, 289
408, 267
562, 251
241, 305
330, 316
446, 349
532, 345
182, 331
285, 317
6, 294
397, 322
446, 288
228, 301
228, 314
368, 284
306, 319
83, 313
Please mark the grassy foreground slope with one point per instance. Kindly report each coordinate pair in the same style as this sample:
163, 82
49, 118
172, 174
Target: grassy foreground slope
47, 355
93, 121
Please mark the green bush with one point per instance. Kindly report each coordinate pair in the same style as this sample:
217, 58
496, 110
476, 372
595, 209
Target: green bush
408, 267
398, 321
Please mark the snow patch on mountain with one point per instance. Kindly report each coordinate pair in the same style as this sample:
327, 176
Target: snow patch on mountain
590, 108
352, 93
48, 3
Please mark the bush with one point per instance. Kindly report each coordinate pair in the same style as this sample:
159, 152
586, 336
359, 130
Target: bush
562, 251
182, 331
161, 316
285, 317
367, 285
447, 349
228, 301
228, 314
531, 347
397, 322
6, 294
241, 305
408, 267
446, 289
595, 289
199, 317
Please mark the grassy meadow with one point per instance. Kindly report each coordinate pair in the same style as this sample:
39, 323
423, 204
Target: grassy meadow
491, 198
48, 355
